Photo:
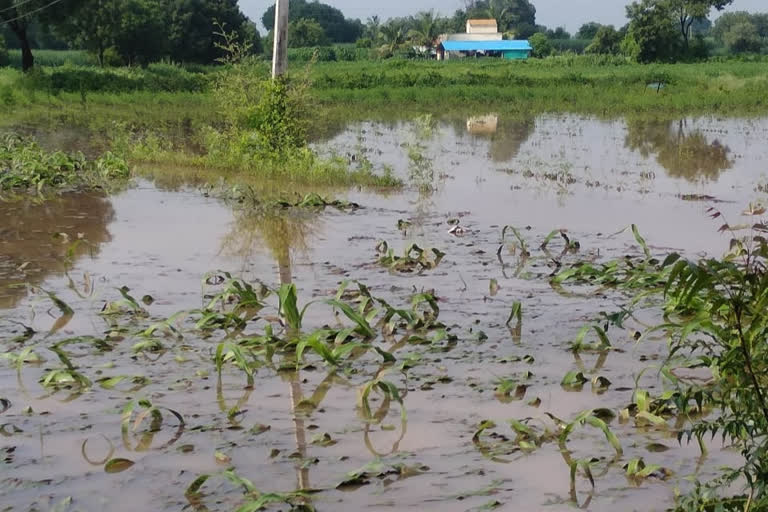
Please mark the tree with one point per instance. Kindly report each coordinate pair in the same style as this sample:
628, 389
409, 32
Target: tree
607, 41
743, 38
426, 30
392, 37
558, 33
729, 20
94, 28
140, 35
338, 28
19, 16
541, 45
191, 28
588, 30
304, 32
134, 28
652, 34
688, 11
511, 15
372, 27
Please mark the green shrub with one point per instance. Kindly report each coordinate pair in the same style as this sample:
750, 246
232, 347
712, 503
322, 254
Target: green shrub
570, 45
53, 58
156, 78
541, 45
7, 96
24, 164
3, 52
364, 42
112, 58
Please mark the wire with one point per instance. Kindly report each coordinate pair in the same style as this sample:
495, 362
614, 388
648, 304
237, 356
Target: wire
30, 13
24, 2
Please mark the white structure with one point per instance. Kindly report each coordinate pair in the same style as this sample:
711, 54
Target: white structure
477, 30
482, 27
472, 37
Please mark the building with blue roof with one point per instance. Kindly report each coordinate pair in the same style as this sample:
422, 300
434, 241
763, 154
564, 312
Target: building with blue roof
482, 40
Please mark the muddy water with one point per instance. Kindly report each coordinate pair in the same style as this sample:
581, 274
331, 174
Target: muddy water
590, 177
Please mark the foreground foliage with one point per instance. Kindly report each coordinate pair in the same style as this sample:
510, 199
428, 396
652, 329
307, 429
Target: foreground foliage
25, 165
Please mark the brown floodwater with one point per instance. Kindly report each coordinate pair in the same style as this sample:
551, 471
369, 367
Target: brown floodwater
590, 177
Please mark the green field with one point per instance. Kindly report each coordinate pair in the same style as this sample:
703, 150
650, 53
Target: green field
601, 86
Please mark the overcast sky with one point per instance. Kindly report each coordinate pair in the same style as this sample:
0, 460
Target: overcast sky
552, 13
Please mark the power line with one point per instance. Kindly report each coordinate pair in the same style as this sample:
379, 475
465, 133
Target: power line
24, 2
30, 13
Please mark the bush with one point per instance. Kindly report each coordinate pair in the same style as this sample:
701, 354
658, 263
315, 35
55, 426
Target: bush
308, 54
160, 77
364, 42
112, 58
570, 45
607, 41
541, 45
53, 58
3, 52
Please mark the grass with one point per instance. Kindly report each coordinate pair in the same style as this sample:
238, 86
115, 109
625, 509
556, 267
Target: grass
53, 58
583, 84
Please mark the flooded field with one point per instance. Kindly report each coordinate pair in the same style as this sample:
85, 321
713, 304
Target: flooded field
118, 311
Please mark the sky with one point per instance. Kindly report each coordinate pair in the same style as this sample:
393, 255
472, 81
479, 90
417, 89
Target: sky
552, 13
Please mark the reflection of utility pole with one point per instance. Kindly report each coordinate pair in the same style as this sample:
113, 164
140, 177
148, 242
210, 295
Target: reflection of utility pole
280, 50
302, 472
297, 395
283, 255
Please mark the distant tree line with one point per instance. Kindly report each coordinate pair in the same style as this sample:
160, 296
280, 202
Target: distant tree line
125, 31
136, 32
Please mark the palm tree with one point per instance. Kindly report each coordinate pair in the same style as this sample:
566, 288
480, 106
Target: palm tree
426, 30
392, 36
373, 27
498, 11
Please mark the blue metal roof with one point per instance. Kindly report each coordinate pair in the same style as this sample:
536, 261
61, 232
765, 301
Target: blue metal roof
470, 46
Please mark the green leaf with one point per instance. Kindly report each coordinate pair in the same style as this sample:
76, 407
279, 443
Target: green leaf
118, 465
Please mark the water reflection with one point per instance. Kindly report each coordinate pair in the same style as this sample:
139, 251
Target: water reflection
37, 238
483, 125
283, 233
684, 152
507, 135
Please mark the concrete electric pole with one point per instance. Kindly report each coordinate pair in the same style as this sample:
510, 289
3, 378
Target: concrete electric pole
280, 51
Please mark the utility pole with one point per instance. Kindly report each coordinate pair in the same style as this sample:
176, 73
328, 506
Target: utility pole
280, 50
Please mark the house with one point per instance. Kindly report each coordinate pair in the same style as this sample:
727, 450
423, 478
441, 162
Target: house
482, 27
481, 39
510, 50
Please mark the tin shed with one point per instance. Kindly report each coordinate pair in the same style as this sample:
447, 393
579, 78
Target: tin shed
512, 50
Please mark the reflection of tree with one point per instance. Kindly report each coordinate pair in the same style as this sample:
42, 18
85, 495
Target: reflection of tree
279, 231
507, 135
510, 136
684, 153
30, 249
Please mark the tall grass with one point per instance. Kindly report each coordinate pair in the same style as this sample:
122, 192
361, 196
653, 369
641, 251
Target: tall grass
590, 84
594, 84
52, 58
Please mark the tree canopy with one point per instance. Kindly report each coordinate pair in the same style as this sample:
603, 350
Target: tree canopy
607, 41
338, 28
18, 16
518, 16
588, 30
